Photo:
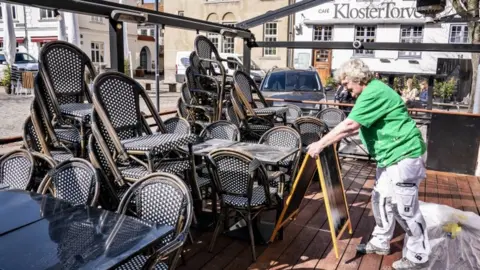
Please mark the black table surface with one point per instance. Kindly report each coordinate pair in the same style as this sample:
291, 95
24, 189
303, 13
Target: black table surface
19, 208
78, 237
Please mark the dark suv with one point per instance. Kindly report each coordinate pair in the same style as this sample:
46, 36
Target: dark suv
294, 84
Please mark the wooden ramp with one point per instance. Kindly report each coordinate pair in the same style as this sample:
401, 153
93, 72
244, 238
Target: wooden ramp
307, 242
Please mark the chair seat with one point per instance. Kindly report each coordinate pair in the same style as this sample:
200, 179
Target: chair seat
258, 198
158, 143
271, 111
60, 155
203, 181
68, 135
138, 261
259, 127
173, 167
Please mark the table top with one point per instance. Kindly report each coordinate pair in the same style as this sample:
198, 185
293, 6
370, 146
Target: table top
264, 153
80, 237
157, 143
20, 208
80, 111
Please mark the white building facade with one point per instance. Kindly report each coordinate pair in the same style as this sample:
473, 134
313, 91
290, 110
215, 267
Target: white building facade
374, 21
34, 27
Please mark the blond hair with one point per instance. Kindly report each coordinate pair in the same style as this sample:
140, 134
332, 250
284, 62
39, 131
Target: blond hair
354, 70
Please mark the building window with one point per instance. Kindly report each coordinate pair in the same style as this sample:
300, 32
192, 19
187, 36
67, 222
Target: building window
458, 34
1, 47
97, 19
228, 43
365, 34
270, 34
181, 13
214, 39
98, 51
14, 13
322, 33
46, 14
144, 32
410, 34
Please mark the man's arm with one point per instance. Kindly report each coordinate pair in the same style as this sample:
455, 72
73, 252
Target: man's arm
346, 128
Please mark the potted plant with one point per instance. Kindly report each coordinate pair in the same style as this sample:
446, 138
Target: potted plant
443, 91
6, 81
330, 84
139, 72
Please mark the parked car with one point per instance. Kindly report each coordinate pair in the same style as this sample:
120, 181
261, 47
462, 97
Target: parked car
182, 63
294, 84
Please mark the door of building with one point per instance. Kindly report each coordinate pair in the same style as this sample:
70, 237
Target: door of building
322, 61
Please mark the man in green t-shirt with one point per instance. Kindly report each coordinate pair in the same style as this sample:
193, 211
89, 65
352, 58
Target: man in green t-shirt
392, 138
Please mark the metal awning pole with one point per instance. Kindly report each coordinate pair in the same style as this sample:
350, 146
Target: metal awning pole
157, 77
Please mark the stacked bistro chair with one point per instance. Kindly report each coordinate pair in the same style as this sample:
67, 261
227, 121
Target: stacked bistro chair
211, 61
252, 127
245, 88
283, 136
204, 88
311, 129
164, 199
16, 170
223, 130
75, 181
63, 67
293, 113
331, 116
242, 184
64, 133
198, 113
36, 138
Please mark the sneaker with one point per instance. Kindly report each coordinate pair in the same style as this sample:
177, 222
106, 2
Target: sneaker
405, 263
369, 248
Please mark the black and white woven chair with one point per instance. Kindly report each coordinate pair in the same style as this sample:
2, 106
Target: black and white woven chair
283, 136
16, 170
241, 182
177, 125
251, 127
293, 113
331, 116
75, 181
311, 129
35, 139
223, 130
63, 67
194, 92
165, 200
59, 132
246, 88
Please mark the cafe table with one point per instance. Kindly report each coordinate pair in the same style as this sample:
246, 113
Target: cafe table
41, 232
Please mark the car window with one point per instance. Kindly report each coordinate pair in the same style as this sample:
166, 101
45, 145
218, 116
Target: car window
2, 58
291, 81
24, 58
185, 61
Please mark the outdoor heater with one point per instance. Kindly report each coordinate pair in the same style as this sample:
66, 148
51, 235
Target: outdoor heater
430, 8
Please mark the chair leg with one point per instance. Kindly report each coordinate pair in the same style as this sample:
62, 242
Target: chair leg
177, 256
252, 238
217, 230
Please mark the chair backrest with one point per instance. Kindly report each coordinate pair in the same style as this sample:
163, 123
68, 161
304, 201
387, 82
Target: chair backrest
36, 136
222, 129
161, 198
195, 63
331, 116
63, 67
191, 83
294, 111
282, 136
311, 129
247, 87
75, 181
31, 139
231, 115
182, 110
116, 98
205, 49
44, 99
177, 125
234, 173
16, 169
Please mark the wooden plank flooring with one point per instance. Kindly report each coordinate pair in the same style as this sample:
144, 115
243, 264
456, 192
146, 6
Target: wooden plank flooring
307, 243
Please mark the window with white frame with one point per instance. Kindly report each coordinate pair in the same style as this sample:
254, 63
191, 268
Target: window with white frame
46, 14
410, 34
152, 32
143, 32
14, 13
214, 38
97, 19
322, 33
97, 52
228, 43
458, 33
365, 34
270, 34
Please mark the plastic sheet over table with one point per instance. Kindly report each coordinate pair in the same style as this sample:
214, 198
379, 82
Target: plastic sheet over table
459, 253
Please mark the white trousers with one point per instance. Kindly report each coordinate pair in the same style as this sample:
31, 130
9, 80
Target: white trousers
395, 198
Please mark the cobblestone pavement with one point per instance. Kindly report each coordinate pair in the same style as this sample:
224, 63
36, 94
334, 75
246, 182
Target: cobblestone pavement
15, 109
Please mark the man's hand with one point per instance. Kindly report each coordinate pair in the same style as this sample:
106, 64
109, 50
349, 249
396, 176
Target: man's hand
314, 149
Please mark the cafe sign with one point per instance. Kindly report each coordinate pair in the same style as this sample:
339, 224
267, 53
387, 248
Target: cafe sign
385, 10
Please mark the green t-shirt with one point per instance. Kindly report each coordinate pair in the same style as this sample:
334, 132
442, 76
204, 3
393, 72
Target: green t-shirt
389, 133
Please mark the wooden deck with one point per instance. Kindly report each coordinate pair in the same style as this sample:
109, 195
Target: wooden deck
307, 243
